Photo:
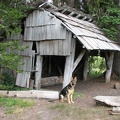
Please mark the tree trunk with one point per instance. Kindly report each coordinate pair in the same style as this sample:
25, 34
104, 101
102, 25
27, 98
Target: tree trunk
109, 64
116, 62
85, 71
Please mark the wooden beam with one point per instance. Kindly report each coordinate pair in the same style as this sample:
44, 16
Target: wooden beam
78, 15
51, 95
85, 71
69, 64
38, 74
78, 59
71, 13
63, 11
109, 64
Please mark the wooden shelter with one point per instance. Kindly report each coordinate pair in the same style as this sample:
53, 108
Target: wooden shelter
60, 41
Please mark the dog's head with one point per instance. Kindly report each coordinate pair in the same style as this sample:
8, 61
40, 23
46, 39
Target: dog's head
73, 81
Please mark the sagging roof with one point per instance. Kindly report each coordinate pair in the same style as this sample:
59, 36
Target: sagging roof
84, 29
87, 33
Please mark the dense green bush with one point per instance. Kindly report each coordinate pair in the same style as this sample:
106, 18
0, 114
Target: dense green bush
7, 79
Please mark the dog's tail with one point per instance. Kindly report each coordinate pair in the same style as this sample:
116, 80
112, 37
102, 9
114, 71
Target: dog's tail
59, 96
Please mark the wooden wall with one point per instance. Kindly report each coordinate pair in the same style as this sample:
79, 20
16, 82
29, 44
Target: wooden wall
55, 47
51, 38
28, 57
42, 25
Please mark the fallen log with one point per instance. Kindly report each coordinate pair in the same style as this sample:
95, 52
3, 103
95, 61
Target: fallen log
49, 81
113, 101
31, 94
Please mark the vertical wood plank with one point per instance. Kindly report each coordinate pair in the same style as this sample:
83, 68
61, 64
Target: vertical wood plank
60, 47
23, 79
51, 44
38, 73
55, 47
69, 64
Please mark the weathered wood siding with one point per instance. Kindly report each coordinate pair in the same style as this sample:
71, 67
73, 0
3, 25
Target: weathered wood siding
42, 25
23, 79
27, 51
28, 57
56, 47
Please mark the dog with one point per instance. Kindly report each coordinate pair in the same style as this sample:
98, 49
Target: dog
67, 92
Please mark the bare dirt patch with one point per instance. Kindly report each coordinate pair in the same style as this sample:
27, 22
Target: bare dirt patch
84, 107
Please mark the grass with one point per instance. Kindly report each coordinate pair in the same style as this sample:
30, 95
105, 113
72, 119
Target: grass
71, 111
78, 94
14, 104
75, 112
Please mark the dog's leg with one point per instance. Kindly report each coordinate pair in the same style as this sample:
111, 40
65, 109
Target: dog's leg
68, 97
71, 98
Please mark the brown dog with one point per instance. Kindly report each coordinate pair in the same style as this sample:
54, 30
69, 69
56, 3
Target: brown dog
68, 91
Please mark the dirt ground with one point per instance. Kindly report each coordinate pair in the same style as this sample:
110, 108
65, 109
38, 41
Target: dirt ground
47, 110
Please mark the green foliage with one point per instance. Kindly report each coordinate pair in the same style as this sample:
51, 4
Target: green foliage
109, 21
7, 78
7, 82
14, 103
4, 87
11, 13
96, 66
9, 57
107, 14
11, 87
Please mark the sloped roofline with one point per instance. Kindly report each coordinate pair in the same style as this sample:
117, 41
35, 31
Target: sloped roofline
82, 27
92, 41
67, 11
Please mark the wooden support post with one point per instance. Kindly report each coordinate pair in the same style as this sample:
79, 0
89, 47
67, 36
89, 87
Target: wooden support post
109, 64
39, 72
69, 64
85, 67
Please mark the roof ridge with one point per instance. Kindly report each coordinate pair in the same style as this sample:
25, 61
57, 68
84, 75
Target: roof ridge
66, 10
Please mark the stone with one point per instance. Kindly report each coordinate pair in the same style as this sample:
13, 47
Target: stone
113, 101
117, 85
